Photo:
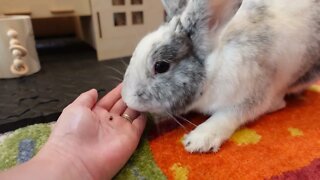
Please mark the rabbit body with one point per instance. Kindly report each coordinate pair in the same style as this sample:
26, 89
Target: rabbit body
233, 60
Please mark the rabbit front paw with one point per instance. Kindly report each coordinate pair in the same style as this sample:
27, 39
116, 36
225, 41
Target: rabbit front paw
203, 139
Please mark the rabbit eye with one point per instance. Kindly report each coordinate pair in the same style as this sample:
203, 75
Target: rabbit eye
161, 67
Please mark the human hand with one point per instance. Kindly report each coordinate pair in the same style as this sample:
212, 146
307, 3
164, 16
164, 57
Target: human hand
94, 136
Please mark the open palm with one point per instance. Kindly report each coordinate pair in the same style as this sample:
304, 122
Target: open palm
96, 134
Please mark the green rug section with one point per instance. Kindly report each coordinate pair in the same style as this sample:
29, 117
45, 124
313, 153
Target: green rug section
9, 148
140, 166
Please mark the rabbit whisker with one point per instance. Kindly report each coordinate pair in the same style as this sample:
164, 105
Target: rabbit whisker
185, 129
116, 70
186, 120
119, 80
124, 63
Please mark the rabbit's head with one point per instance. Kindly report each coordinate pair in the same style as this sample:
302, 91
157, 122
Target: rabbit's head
167, 70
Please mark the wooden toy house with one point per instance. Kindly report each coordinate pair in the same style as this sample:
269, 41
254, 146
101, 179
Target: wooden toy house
112, 27
118, 25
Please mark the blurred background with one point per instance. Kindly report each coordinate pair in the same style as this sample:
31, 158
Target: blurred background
52, 50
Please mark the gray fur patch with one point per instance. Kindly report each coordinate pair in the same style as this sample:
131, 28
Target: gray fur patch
182, 4
254, 46
310, 71
256, 95
259, 36
195, 24
178, 48
177, 88
311, 76
257, 11
174, 7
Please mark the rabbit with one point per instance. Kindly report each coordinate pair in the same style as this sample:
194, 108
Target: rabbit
233, 60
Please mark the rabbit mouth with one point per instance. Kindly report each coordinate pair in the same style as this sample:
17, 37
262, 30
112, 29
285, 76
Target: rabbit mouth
162, 107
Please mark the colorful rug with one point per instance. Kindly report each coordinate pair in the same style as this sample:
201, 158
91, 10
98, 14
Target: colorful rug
281, 145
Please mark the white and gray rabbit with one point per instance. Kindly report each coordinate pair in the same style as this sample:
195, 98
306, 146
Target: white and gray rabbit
234, 60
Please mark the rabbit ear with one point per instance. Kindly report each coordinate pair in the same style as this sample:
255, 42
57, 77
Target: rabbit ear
174, 7
196, 20
200, 17
196, 15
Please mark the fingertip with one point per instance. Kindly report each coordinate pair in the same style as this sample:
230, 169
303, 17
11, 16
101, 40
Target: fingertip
88, 98
111, 98
140, 123
94, 92
118, 88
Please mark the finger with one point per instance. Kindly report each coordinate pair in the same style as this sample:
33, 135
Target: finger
111, 98
119, 107
87, 99
140, 123
132, 114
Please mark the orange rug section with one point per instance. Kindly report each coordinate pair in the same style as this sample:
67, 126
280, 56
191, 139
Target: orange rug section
274, 144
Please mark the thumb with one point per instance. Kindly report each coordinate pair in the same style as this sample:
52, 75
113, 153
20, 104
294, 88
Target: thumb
87, 99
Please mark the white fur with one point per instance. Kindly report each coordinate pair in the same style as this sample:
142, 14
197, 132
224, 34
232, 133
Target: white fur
230, 81
225, 72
